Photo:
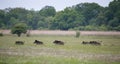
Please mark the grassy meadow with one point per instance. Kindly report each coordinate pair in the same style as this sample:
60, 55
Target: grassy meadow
73, 52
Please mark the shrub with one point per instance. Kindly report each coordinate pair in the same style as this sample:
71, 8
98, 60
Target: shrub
19, 28
1, 34
28, 35
77, 34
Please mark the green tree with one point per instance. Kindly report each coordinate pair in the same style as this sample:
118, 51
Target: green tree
47, 11
18, 13
83, 16
113, 15
89, 10
19, 29
99, 20
33, 17
67, 19
12, 14
114, 22
2, 17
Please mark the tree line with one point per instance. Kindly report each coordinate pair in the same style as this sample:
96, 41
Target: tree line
83, 16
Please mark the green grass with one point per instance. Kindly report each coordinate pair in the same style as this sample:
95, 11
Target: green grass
110, 44
48, 60
73, 52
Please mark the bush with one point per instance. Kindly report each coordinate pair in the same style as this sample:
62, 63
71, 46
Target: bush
77, 34
19, 28
28, 34
1, 34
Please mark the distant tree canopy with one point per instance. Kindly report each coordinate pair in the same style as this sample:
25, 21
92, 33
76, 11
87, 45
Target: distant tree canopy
83, 16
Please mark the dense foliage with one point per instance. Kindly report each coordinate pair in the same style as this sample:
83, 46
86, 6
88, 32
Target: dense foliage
83, 16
